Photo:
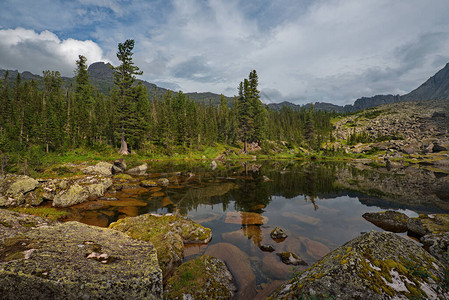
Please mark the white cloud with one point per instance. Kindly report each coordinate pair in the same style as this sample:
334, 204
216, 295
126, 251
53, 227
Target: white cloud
327, 50
25, 49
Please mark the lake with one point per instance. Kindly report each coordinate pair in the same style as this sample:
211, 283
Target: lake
319, 206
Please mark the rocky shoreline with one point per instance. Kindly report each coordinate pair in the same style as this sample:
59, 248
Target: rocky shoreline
72, 260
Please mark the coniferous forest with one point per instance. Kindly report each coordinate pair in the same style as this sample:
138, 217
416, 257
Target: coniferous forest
35, 120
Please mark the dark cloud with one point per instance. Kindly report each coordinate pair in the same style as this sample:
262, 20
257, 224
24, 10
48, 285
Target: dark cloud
195, 69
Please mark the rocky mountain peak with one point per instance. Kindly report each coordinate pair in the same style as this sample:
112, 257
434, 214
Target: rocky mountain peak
435, 88
100, 70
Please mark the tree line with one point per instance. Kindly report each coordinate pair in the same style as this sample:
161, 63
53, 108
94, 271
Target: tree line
34, 120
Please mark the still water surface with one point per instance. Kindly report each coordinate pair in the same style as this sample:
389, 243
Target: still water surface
243, 202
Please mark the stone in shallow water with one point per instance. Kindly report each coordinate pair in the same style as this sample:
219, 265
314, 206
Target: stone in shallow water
238, 263
267, 248
388, 220
290, 258
278, 234
313, 248
245, 218
302, 218
274, 268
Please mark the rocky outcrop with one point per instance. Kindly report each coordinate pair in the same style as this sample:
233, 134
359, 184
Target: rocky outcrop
410, 128
13, 189
205, 277
168, 233
375, 265
74, 261
388, 220
78, 191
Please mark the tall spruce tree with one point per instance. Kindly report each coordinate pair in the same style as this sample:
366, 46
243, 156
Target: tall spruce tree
252, 115
124, 78
83, 108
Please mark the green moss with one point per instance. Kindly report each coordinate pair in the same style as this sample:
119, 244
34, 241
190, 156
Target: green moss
122, 176
44, 212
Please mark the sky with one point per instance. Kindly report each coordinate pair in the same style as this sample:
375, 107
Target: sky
303, 50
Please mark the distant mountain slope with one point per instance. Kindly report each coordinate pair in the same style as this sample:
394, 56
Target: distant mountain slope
435, 88
101, 76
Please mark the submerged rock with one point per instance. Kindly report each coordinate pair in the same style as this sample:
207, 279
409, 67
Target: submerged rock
168, 233
76, 261
238, 263
245, 218
375, 265
388, 220
267, 248
205, 277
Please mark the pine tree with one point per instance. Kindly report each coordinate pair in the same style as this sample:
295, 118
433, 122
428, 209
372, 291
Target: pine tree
124, 78
83, 106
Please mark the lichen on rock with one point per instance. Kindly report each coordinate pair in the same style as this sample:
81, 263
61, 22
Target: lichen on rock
375, 265
205, 277
75, 261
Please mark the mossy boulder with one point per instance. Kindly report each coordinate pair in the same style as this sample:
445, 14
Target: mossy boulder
388, 220
375, 265
74, 195
101, 168
71, 192
22, 185
13, 189
76, 261
205, 277
167, 232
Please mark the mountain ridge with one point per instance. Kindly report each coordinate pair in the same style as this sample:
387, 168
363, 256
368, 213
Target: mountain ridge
101, 76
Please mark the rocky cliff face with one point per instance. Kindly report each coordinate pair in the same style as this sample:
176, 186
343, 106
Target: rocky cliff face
436, 87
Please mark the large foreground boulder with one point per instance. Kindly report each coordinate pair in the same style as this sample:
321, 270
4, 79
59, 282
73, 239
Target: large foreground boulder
375, 265
75, 261
205, 277
168, 233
